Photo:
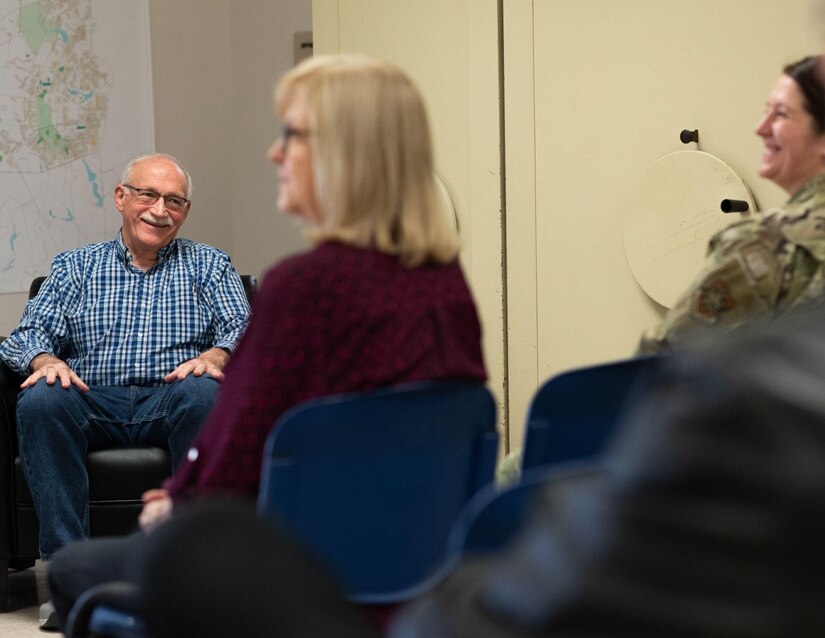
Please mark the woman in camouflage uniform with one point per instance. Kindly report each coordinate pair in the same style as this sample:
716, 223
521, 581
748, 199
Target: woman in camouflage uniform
764, 265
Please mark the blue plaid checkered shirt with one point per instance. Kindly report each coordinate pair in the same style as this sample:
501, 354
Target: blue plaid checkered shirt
114, 324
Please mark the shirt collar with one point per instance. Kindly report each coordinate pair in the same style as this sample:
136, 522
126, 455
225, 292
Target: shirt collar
126, 257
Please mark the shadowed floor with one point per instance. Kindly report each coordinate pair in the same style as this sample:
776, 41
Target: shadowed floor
27, 589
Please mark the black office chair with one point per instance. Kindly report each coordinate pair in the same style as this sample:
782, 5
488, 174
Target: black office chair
117, 478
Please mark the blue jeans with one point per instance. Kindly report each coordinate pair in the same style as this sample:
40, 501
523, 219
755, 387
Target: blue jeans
56, 427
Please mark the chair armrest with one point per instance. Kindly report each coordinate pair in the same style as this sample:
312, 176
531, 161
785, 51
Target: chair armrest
9, 389
8, 377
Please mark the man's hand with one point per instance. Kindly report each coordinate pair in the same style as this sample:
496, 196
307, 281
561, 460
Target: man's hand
52, 368
211, 362
157, 507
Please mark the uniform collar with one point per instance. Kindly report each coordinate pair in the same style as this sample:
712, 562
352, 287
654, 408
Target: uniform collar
809, 188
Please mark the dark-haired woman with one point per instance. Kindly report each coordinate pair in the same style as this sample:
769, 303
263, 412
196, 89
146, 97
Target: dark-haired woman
764, 265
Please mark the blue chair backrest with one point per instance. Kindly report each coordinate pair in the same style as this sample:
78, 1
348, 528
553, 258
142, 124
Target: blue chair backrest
112, 622
107, 611
493, 517
373, 482
573, 413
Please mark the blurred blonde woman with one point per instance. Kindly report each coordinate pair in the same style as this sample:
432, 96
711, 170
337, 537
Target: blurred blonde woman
364, 140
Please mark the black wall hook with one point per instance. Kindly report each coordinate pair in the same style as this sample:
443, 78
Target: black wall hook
734, 206
689, 136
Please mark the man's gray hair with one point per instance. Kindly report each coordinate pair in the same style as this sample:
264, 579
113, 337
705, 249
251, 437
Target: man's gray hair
127, 172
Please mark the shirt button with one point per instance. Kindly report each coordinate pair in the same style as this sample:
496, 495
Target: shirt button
192, 454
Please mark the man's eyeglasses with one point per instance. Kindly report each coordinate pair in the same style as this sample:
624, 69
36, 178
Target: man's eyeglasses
175, 203
288, 132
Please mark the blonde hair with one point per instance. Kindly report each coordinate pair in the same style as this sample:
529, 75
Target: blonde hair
372, 157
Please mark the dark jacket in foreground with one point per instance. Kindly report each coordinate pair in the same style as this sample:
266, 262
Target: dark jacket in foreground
708, 520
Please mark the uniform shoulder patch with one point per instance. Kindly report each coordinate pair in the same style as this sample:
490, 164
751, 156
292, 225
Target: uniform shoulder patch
714, 298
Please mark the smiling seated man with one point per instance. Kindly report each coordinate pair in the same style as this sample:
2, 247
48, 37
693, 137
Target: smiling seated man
124, 345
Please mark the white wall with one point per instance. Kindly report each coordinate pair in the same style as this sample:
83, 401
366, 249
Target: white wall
595, 92
215, 63
190, 115
450, 49
262, 50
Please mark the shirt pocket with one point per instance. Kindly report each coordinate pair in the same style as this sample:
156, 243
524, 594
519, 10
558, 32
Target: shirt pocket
182, 310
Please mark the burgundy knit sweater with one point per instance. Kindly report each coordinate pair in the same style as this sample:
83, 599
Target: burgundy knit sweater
334, 319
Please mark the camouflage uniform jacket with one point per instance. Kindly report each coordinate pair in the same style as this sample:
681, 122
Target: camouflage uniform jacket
760, 266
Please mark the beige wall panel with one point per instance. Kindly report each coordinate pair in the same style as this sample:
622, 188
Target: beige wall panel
520, 162
450, 48
615, 83
484, 257
262, 50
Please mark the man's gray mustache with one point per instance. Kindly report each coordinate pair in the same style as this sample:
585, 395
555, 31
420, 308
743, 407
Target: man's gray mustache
157, 221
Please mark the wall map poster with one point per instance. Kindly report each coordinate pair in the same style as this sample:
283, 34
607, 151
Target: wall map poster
75, 106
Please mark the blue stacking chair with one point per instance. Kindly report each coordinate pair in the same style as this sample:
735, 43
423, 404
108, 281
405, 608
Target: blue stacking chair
371, 482
572, 414
494, 516
374, 482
